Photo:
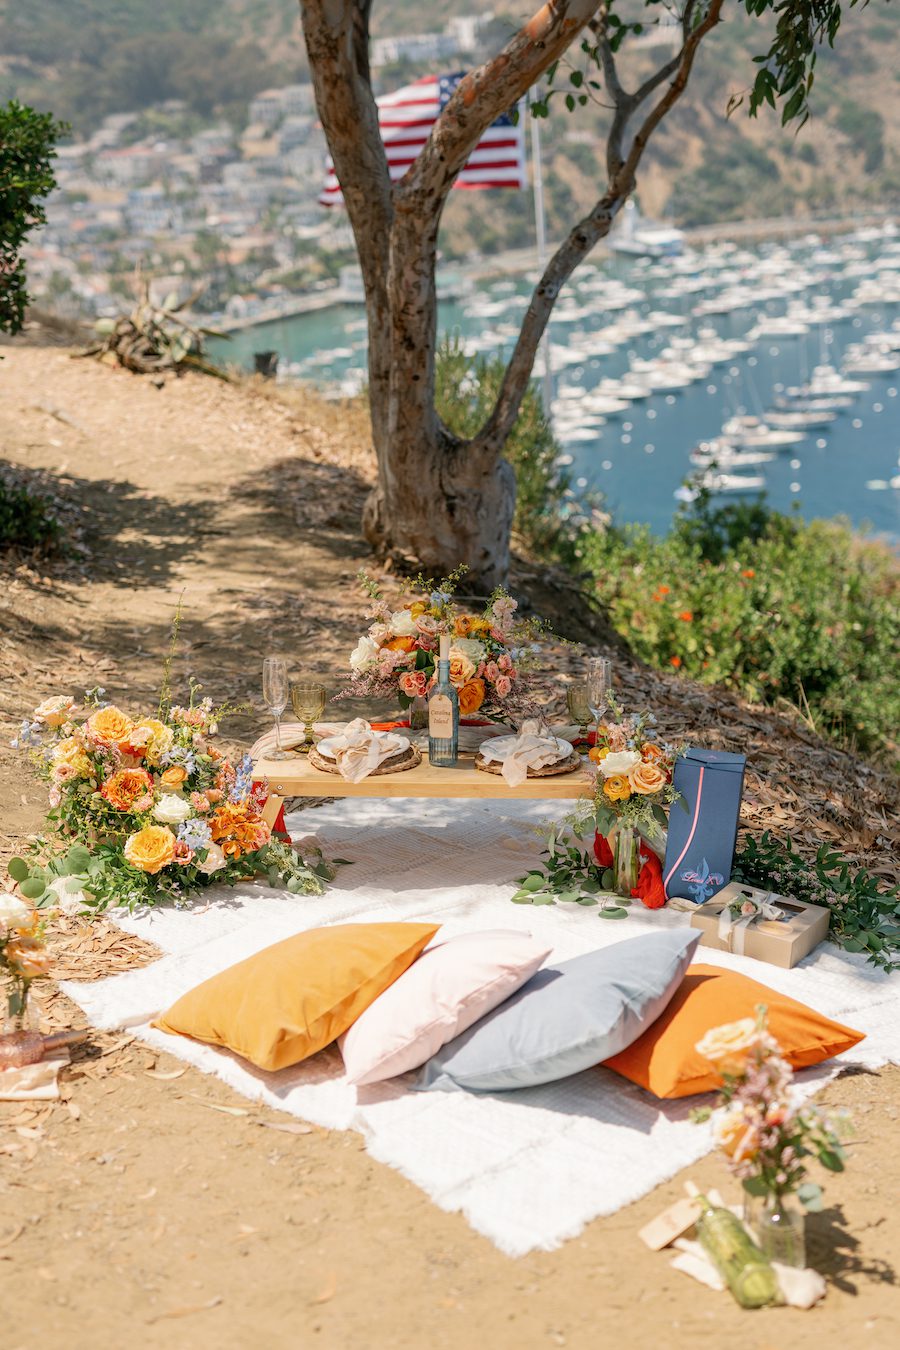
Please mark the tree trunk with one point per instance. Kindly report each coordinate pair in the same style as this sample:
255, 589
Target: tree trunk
438, 501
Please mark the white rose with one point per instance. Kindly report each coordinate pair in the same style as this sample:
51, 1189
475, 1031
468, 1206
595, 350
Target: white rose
621, 761
13, 911
471, 648
69, 901
172, 809
215, 860
402, 623
363, 653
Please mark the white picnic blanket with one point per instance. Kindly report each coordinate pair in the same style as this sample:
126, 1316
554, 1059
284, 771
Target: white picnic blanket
530, 1168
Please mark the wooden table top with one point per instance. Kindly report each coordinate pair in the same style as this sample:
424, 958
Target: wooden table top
296, 777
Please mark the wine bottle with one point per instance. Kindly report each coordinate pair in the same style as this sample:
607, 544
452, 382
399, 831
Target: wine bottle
443, 714
736, 1256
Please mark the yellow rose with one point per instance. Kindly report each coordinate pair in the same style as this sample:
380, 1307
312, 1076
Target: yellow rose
471, 697
70, 751
735, 1136
727, 1046
151, 739
646, 779
151, 849
174, 777
418, 608
111, 726
55, 711
461, 668
617, 788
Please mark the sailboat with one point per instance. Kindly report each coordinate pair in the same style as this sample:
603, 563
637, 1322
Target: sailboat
642, 238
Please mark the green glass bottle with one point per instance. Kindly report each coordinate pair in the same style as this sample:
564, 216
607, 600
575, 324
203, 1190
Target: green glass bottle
736, 1256
443, 714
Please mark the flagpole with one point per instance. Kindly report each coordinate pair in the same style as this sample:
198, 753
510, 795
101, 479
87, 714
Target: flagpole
541, 238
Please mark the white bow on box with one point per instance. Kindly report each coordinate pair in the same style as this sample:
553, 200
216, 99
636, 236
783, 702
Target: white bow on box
740, 915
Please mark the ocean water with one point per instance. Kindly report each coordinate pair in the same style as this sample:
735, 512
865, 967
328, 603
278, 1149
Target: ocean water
640, 457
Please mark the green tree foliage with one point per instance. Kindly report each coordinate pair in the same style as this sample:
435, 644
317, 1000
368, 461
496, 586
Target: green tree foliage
548, 520
27, 140
780, 610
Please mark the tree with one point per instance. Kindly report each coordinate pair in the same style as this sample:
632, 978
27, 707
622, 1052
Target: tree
27, 141
442, 499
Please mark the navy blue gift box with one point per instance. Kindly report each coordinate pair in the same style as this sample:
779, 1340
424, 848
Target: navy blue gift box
703, 825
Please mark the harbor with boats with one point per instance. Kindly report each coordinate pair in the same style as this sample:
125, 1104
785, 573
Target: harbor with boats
676, 365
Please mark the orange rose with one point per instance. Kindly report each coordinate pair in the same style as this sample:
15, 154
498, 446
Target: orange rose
401, 644
111, 726
238, 829
174, 777
471, 697
151, 849
655, 753
646, 778
617, 788
126, 787
27, 956
461, 668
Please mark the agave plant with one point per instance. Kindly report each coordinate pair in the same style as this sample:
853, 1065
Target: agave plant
153, 338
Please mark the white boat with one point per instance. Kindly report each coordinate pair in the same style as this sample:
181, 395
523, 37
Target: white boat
870, 361
826, 380
799, 399
799, 418
724, 455
778, 326
750, 431
643, 238
718, 483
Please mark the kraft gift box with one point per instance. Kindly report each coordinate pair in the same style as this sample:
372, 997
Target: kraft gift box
703, 824
782, 942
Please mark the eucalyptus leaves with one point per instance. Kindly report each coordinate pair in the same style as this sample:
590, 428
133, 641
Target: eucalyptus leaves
572, 875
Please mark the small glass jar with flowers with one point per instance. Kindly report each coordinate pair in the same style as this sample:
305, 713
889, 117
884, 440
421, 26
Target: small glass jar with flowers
768, 1136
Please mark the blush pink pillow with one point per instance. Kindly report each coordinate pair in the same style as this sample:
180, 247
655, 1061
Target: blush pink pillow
442, 994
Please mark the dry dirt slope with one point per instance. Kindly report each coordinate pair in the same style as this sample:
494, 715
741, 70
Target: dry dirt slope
154, 1208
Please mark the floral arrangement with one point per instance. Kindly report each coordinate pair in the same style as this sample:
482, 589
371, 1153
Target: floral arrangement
149, 808
23, 957
766, 1136
634, 772
491, 656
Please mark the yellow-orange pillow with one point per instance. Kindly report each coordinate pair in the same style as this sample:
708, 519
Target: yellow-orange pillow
664, 1061
294, 998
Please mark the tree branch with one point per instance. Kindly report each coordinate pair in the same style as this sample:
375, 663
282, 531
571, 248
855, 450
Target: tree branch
484, 94
337, 44
579, 243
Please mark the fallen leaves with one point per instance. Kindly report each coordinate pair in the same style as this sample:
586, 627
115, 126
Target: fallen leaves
165, 1075
286, 1127
327, 1292
187, 1311
217, 1106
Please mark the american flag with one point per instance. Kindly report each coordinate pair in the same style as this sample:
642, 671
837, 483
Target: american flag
405, 119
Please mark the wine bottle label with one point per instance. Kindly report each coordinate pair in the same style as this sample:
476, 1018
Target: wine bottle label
440, 717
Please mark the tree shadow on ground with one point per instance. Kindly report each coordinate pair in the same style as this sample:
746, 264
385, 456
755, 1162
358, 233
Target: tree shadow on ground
836, 1253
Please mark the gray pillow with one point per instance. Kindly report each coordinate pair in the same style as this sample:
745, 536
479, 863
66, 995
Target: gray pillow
567, 1017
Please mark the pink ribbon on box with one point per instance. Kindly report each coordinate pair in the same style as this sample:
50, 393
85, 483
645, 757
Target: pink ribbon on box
733, 927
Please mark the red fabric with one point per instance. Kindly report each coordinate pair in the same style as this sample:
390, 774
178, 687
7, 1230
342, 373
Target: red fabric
279, 828
602, 851
650, 889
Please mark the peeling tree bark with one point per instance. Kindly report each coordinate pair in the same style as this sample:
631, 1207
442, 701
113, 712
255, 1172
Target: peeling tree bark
441, 500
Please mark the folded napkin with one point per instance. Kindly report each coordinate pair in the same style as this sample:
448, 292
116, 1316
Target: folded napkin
531, 749
34, 1082
358, 749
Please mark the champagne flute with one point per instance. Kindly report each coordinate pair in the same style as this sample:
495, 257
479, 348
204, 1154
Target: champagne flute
308, 700
579, 706
275, 696
599, 684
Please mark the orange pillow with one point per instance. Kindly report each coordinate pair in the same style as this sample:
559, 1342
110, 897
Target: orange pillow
294, 998
664, 1061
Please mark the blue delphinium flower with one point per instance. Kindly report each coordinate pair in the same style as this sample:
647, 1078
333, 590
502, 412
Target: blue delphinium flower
195, 833
243, 780
179, 754
29, 734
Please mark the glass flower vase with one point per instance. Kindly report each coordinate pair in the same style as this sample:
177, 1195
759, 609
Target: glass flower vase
20, 1040
779, 1225
625, 843
418, 714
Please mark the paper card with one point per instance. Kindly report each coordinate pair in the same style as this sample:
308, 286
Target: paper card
666, 1227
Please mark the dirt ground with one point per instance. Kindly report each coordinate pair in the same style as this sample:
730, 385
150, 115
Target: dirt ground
152, 1206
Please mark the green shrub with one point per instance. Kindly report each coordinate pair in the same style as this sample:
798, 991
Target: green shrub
27, 520
768, 605
548, 519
